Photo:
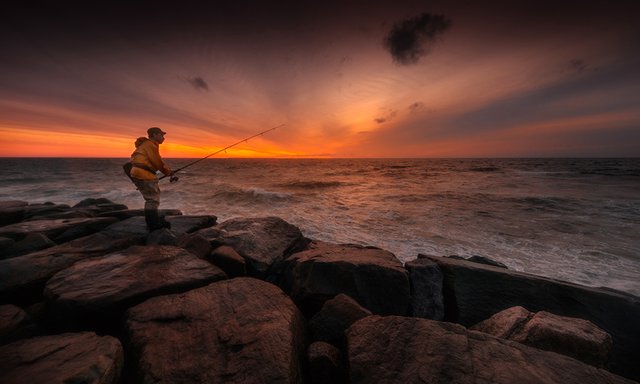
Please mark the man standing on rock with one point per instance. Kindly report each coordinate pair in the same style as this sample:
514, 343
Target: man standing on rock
145, 162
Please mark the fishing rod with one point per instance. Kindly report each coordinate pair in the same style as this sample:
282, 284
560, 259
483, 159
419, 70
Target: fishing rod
174, 178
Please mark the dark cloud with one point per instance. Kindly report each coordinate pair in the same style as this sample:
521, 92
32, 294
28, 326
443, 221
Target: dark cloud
577, 65
387, 117
413, 38
418, 105
198, 83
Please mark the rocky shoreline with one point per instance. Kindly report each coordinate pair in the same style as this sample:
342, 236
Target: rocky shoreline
88, 295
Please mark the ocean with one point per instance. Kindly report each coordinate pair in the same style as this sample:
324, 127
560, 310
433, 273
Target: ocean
576, 220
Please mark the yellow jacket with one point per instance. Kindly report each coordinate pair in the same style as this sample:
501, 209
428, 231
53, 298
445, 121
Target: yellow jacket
147, 155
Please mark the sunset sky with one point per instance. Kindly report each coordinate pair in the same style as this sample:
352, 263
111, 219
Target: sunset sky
346, 78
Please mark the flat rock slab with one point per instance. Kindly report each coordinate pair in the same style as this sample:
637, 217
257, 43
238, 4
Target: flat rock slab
474, 292
58, 230
22, 278
96, 292
407, 350
14, 211
262, 242
129, 213
179, 225
242, 330
67, 358
375, 278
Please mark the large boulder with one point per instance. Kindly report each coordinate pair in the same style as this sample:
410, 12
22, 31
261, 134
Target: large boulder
375, 278
242, 330
67, 358
427, 300
94, 293
569, 336
474, 292
262, 242
408, 350
335, 317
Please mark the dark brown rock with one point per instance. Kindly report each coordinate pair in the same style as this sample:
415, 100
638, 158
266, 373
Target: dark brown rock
188, 224
336, 315
234, 331
67, 358
22, 278
326, 364
30, 243
371, 276
487, 261
58, 230
427, 300
94, 293
569, 336
16, 324
98, 206
197, 245
15, 211
162, 236
474, 292
180, 225
229, 261
504, 323
407, 350
129, 213
262, 242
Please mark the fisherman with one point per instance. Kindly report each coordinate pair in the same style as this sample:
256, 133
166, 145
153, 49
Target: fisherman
145, 162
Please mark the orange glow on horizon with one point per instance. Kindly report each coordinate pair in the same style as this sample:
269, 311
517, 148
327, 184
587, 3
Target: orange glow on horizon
56, 143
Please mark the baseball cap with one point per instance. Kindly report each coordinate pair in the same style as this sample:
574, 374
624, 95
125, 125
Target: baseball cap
154, 130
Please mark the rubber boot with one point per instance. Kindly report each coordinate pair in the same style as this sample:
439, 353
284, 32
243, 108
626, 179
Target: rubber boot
154, 221
164, 223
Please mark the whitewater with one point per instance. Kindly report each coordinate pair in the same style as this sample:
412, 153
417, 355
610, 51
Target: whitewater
576, 220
